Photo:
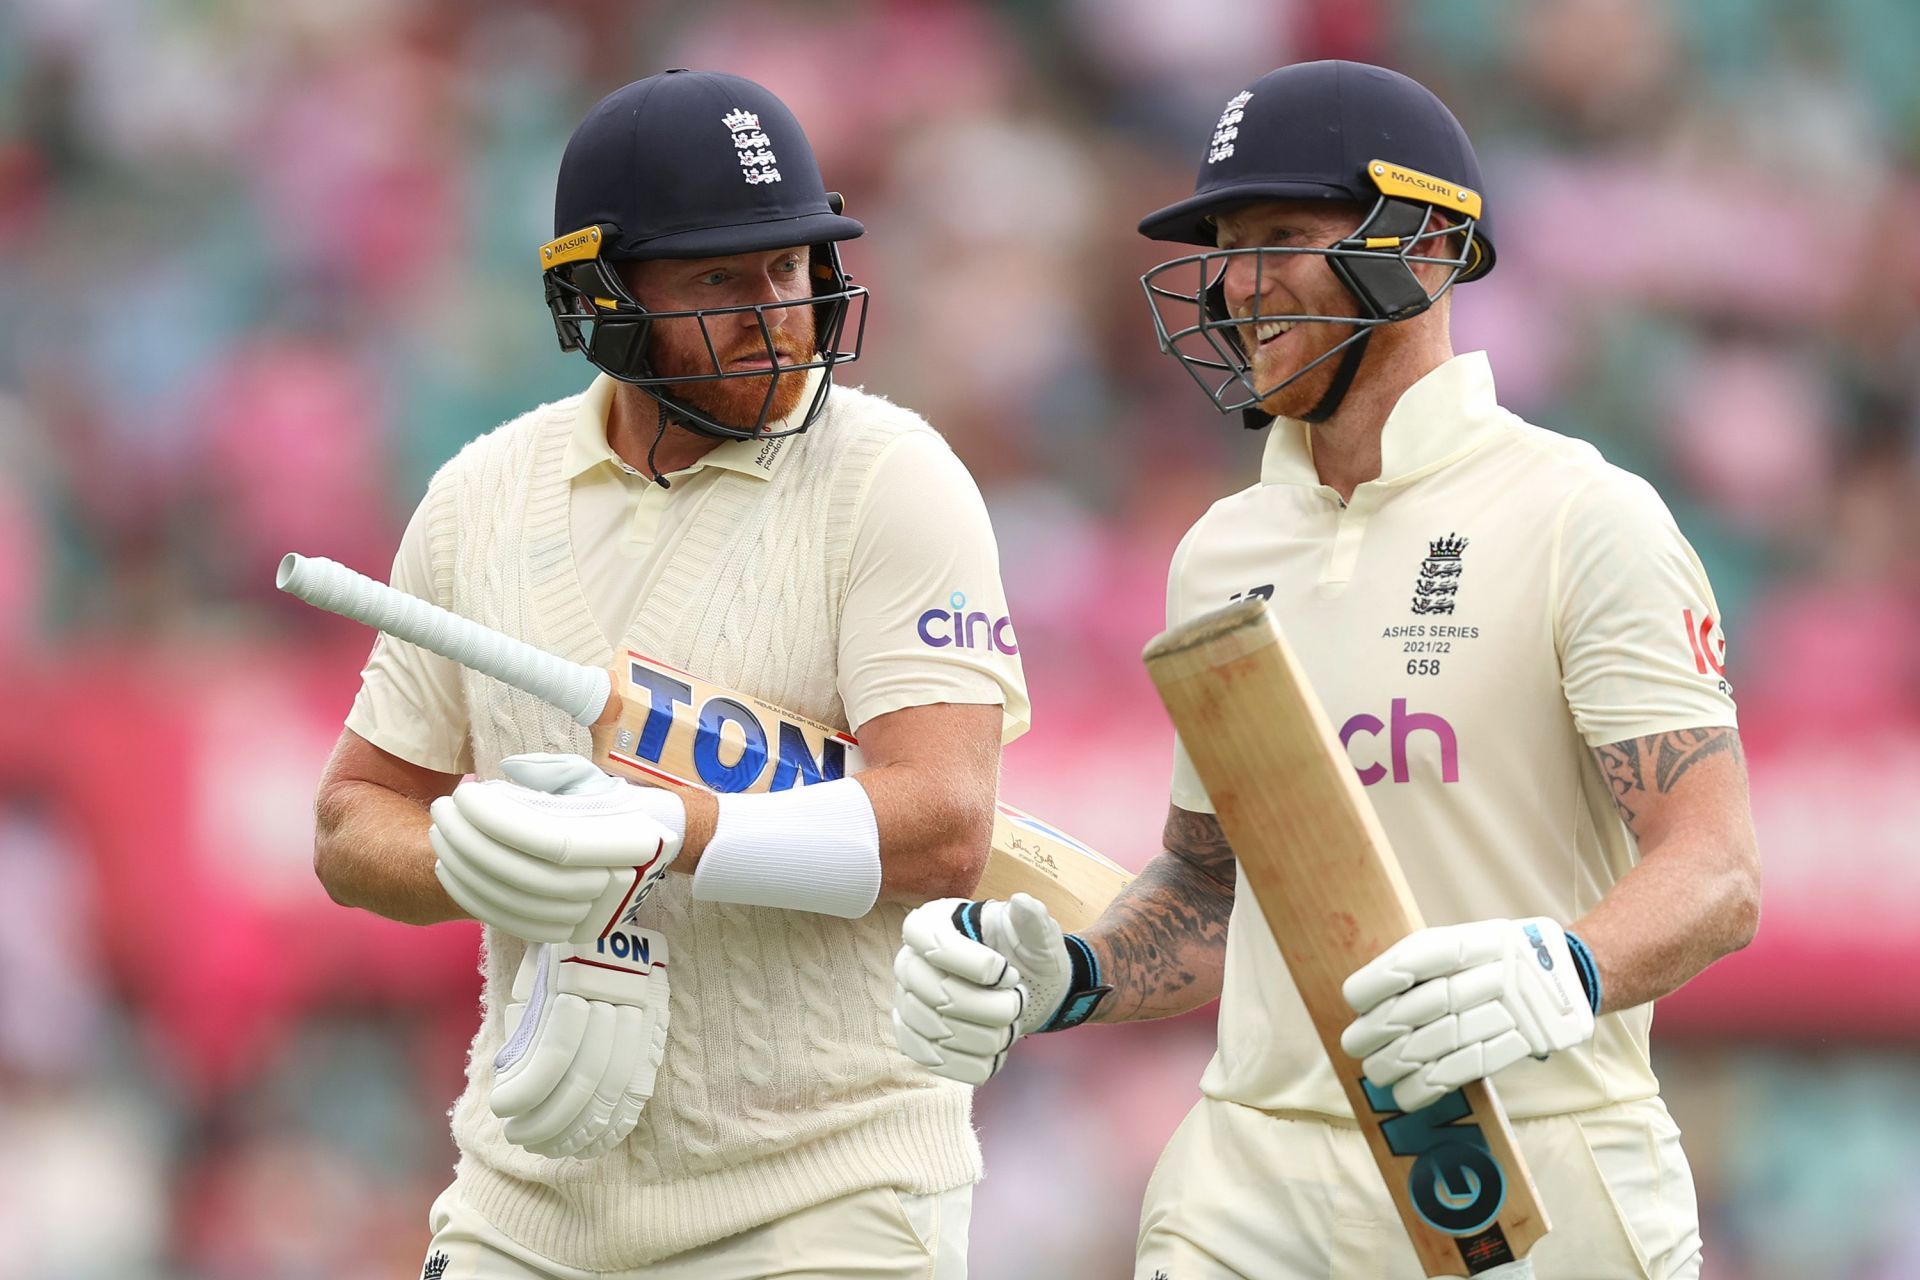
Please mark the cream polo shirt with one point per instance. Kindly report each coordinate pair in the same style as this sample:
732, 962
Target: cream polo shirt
1498, 603
923, 551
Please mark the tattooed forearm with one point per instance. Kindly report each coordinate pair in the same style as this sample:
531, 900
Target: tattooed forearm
1693, 894
1162, 942
1662, 760
1197, 838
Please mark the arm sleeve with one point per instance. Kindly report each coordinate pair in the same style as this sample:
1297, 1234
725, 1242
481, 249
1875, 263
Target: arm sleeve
412, 703
1186, 791
1635, 625
925, 618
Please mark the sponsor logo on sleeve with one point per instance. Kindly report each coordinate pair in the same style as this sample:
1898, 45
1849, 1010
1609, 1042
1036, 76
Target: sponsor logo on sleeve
958, 627
1709, 647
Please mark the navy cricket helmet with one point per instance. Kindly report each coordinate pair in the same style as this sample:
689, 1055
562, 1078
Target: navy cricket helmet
1329, 130
693, 164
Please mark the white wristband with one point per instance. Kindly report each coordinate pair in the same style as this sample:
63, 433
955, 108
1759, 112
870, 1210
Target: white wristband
812, 848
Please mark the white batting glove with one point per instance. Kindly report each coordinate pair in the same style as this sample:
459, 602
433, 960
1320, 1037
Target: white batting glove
1447, 1006
557, 851
585, 1035
970, 978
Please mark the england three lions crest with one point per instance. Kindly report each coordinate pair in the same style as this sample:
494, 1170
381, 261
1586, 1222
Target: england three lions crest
1229, 127
1439, 582
751, 144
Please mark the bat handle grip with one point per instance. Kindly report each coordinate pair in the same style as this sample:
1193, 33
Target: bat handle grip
577, 689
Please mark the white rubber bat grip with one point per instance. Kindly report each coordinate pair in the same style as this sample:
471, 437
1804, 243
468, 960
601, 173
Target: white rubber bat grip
577, 689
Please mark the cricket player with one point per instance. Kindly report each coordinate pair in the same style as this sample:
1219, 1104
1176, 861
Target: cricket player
711, 500
1524, 660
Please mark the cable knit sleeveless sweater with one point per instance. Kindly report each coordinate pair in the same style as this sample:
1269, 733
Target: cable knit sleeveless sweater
781, 1087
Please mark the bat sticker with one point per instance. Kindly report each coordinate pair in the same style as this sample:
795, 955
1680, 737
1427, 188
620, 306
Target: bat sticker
725, 761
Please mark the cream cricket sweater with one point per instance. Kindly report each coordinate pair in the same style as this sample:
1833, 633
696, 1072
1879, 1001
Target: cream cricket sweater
781, 1087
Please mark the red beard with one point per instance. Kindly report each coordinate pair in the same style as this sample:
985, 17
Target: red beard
737, 401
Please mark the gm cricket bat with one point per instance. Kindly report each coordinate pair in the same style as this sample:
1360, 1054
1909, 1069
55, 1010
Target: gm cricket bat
1309, 843
655, 724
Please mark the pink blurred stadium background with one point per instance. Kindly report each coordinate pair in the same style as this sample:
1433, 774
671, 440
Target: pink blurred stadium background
265, 266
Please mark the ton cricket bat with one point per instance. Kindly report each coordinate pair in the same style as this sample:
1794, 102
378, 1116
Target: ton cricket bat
1309, 843
655, 724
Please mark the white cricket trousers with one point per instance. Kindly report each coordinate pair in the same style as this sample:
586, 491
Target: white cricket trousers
880, 1234
1243, 1194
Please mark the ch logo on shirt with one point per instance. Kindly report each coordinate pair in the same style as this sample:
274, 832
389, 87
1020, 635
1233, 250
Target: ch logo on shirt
1399, 730
961, 629
1440, 572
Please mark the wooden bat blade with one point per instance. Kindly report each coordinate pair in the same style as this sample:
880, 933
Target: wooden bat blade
1034, 857
1310, 846
676, 730
655, 724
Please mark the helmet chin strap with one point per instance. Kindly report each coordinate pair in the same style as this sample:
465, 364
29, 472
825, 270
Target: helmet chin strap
664, 417
673, 413
1342, 380
1255, 419
659, 434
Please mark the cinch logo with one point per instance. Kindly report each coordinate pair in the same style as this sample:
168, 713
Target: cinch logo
955, 626
1455, 1184
720, 764
1404, 725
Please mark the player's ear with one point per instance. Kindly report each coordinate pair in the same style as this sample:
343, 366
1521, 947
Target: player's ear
1433, 274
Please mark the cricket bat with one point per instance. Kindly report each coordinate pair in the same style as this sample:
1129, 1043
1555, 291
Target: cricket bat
1309, 844
655, 724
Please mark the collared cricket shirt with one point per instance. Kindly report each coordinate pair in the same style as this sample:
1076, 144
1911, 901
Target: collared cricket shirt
1500, 602
924, 619
840, 574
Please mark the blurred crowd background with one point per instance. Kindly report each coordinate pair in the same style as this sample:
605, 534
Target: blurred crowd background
265, 265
